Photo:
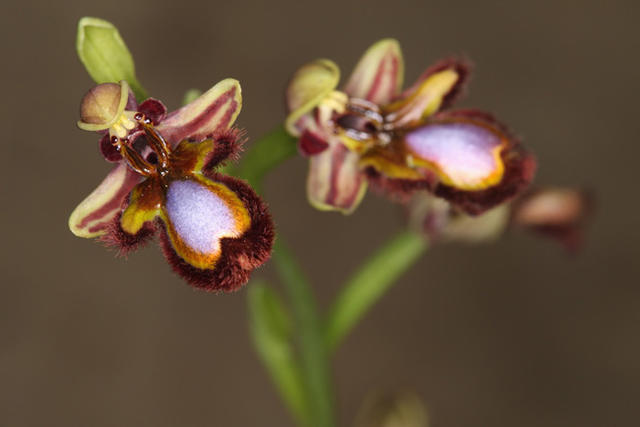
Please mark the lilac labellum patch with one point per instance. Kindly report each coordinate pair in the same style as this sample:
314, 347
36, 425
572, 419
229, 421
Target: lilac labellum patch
465, 155
199, 217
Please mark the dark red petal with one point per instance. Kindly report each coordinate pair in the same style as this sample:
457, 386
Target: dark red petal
239, 256
153, 109
108, 150
311, 144
124, 242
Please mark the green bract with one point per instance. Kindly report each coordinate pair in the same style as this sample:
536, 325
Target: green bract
105, 55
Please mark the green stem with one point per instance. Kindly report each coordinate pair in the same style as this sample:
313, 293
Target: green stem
369, 283
264, 155
271, 328
261, 157
313, 351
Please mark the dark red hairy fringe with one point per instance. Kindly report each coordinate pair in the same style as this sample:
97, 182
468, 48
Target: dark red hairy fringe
240, 255
124, 242
520, 168
462, 66
397, 190
228, 146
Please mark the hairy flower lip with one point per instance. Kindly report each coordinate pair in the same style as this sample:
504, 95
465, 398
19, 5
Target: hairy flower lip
239, 256
214, 230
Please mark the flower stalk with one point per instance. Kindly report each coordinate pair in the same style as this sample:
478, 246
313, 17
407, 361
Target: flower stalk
318, 339
313, 351
367, 285
264, 155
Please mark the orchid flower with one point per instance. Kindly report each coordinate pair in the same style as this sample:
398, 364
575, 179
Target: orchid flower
557, 212
214, 229
371, 132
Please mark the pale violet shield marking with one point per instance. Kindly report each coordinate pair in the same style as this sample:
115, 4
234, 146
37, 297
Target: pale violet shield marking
199, 216
463, 151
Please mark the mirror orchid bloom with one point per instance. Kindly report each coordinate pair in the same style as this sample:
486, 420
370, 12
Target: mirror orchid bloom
561, 213
214, 229
372, 133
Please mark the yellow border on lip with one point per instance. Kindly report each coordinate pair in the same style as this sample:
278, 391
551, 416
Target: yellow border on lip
496, 152
242, 223
124, 97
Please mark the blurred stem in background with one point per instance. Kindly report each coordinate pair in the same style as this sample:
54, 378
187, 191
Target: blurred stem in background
317, 337
369, 283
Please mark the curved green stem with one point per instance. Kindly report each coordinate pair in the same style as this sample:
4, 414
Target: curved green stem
313, 352
359, 294
271, 329
264, 155
369, 283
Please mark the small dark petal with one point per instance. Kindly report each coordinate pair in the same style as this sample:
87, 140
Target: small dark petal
153, 109
311, 144
228, 146
124, 242
108, 150
239, 256
132, 104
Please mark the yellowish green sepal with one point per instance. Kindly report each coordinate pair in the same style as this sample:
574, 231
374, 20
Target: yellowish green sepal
105, 55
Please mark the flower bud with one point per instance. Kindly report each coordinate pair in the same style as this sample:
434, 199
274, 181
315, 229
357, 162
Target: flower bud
393, 410
102, 105
104, 53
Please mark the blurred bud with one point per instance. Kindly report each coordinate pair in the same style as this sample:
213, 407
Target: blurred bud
393, 410
557, 212
441, 221
104, 53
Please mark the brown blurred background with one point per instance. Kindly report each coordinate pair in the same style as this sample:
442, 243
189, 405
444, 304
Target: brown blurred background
515, 333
